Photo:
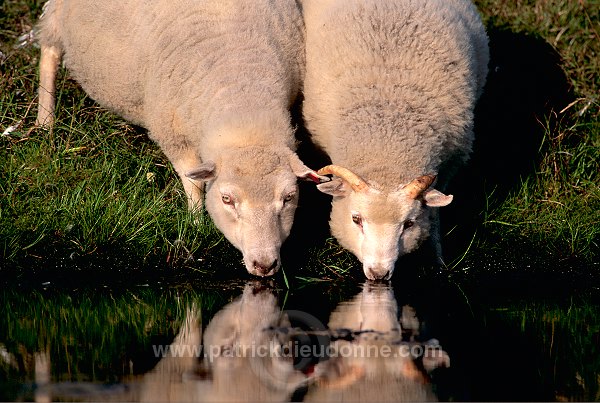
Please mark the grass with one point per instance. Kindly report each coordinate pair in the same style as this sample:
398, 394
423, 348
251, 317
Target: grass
95, 184
570, 26
90, 187
98, 185
557, 207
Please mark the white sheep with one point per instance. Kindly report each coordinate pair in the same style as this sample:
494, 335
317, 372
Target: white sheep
212, 81
390, 90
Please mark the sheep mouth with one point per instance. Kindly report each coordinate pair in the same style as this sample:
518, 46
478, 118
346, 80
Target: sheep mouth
263, 270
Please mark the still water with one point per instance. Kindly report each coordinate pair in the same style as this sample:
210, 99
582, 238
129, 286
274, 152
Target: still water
259, 341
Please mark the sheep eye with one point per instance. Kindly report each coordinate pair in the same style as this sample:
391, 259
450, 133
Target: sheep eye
227, 199
289, 197
356, 219
408, 224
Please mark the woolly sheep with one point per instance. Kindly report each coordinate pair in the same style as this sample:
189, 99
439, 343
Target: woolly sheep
212, 81
389, 94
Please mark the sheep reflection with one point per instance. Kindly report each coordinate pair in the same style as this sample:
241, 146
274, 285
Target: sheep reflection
238, 363
251, 353
381, 360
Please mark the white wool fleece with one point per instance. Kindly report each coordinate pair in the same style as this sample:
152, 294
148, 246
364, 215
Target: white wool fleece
212, 81
389, 94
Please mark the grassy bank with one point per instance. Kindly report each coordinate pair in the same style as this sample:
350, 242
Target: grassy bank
93, 185
557, 205
97, 185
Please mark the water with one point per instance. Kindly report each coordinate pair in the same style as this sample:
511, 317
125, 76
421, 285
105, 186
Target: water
414, 340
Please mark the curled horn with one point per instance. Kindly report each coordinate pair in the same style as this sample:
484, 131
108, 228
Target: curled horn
419, 185
357, 184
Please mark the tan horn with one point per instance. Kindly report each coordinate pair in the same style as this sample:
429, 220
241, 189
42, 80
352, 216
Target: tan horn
418, 186
355, 181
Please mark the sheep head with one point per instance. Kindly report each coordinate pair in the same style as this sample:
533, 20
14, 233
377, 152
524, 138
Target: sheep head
252, 195
377, 226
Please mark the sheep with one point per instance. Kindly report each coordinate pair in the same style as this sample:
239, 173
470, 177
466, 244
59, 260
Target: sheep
212, 81
389, 95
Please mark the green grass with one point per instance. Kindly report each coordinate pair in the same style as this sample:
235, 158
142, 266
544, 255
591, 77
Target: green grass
93, 185
570, 26
98, 185
558, 207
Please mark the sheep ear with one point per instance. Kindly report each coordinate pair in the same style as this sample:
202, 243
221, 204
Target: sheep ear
205, 172
435, 198
336, 187
303, 172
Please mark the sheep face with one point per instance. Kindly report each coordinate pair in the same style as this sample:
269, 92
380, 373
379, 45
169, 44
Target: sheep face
252, 195
379, 227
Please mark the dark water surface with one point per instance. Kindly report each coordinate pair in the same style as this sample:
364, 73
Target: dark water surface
500, 337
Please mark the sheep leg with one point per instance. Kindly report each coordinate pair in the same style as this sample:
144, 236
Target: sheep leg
49, 60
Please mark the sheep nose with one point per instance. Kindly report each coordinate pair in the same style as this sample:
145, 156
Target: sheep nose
375, 274
263, 269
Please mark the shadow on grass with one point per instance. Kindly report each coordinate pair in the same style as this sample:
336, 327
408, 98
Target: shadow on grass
525, 88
